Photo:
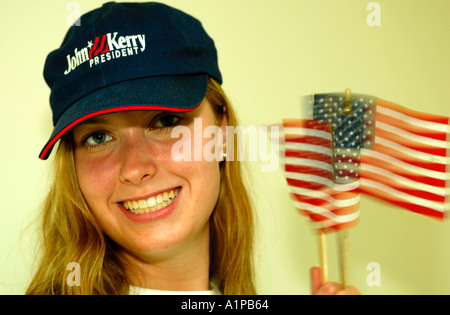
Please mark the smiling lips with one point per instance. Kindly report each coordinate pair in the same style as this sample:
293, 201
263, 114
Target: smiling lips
151, 204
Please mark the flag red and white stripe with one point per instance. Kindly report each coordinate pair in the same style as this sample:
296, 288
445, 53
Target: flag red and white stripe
407, 163
308, 166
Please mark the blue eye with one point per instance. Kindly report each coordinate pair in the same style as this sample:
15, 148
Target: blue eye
98, 138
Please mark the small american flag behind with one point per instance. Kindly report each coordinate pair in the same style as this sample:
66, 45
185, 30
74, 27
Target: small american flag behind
404, 155
320, 188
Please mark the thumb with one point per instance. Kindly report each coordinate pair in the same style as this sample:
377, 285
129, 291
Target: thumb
316, 279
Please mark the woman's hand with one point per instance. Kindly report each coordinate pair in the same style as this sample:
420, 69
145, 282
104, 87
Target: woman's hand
328, 288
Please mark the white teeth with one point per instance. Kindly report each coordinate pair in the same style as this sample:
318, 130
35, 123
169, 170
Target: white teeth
151, 204
142, 203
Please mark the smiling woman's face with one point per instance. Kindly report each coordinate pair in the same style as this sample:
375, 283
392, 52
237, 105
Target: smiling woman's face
145, 201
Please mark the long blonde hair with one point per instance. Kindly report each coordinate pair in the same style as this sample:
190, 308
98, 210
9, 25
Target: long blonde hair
70, 233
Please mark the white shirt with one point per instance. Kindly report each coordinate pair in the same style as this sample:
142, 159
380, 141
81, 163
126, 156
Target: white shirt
144, 291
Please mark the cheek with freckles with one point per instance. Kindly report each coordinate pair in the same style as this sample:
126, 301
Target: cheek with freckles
97, 179
204, 183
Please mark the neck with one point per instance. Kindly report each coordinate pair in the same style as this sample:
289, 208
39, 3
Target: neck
184, 268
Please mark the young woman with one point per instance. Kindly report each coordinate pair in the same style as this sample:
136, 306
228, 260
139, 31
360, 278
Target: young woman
121, 208
203, 235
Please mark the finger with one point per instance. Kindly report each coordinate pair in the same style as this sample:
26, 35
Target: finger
316, 279
348, 291
329, 288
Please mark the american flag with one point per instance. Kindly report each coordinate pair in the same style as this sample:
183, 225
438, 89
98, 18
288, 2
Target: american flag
404, 154
323, 184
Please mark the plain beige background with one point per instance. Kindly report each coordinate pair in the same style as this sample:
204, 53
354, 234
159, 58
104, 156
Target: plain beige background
271, 53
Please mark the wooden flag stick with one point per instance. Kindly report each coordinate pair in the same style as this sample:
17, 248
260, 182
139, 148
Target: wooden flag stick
343, 235
323, 255
343, 256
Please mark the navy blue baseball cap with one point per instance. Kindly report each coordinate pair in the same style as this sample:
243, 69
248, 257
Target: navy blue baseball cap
128, 56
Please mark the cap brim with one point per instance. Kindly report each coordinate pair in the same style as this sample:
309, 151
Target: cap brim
169, 93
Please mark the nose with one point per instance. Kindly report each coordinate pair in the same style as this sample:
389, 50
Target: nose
138, 164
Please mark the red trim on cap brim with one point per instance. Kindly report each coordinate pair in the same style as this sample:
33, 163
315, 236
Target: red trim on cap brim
50, 144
